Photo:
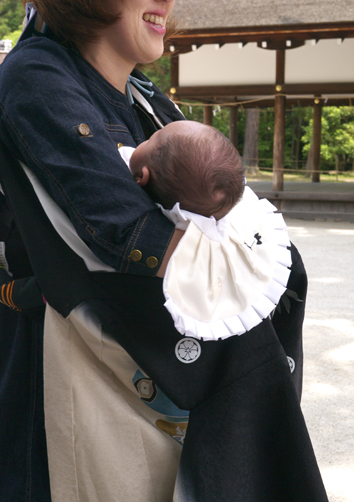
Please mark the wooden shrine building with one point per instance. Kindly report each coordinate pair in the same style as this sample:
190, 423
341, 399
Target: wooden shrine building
265, 53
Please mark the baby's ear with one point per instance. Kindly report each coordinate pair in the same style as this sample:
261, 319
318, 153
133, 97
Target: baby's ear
143, 177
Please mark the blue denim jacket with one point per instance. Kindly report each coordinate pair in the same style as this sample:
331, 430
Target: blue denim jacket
46, 92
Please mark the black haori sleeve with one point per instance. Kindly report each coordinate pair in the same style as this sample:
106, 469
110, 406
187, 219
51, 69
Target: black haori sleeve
289, 316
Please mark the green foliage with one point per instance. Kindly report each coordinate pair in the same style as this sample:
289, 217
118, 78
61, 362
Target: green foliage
11, 17
337, 148
159, 73
14, 36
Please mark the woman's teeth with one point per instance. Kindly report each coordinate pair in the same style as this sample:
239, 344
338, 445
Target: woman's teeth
158, 20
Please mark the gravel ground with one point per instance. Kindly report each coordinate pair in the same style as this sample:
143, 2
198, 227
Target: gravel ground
327, 249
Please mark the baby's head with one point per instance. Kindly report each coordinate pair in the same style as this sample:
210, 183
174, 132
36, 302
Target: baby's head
193, 164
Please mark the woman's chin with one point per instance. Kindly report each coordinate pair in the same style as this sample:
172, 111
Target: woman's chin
152, 56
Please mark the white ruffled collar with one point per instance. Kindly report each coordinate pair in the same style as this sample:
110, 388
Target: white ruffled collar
226, 276
213, 229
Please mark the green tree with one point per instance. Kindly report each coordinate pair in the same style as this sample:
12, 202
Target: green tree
11, 17
337, 147
159, 73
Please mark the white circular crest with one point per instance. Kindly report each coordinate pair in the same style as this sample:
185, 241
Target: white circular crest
291, 364
188, 350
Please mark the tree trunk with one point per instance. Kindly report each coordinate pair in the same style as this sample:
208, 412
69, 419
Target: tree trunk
316, 141
298, 142
337, 163
250, 148
233, 135
293, 144
309, 163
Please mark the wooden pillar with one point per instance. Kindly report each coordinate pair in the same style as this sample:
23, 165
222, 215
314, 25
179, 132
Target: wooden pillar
208, 115
174, 76
233, 135
279, 124
316, 140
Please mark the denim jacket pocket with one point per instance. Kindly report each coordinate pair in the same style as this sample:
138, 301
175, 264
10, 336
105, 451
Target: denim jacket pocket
121, 136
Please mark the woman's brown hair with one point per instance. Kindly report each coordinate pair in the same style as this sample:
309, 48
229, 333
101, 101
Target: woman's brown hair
80, 21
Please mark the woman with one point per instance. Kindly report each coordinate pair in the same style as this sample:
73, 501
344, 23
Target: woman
113, 46
68, 99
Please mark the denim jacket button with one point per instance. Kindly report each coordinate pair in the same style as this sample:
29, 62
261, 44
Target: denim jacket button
84, 130
136, 255
120, 145
152, 262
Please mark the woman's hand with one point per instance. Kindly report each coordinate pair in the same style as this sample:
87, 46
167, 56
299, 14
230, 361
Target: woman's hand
177, 236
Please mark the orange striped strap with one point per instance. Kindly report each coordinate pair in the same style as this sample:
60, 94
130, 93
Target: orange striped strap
6, 295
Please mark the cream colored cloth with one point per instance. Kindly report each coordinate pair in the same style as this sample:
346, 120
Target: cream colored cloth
226, 276
104, 443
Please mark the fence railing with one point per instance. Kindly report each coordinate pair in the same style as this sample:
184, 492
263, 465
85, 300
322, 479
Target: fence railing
300, 171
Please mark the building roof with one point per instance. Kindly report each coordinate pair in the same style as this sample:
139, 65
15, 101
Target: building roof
207, 14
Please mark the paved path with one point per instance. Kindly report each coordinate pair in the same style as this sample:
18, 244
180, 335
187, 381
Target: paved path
327, 249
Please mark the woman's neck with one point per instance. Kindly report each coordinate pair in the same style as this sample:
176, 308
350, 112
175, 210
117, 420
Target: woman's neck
108, 63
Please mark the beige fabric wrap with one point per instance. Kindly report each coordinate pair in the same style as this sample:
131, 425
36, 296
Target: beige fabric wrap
103, 445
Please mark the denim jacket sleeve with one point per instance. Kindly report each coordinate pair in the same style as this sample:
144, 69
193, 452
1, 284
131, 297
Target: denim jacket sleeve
43, 101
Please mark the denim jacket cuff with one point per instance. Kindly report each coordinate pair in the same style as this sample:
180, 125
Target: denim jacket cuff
147, 246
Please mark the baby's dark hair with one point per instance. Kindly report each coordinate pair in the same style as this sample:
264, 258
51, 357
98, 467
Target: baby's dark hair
204, 174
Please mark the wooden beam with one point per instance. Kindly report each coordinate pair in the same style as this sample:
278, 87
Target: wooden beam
274, 45
316, 140
279, 143
208, 115
174, 70
185, 45
245, 34
280, 68
225, 90
174, 77
323, 88
279, 124
265, 90
234, 126
290, 103
269, 103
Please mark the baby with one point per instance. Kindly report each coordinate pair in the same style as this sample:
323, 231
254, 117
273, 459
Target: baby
189, 163
185, 162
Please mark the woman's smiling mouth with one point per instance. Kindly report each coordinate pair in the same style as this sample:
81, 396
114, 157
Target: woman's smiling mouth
152, 18
156, 22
